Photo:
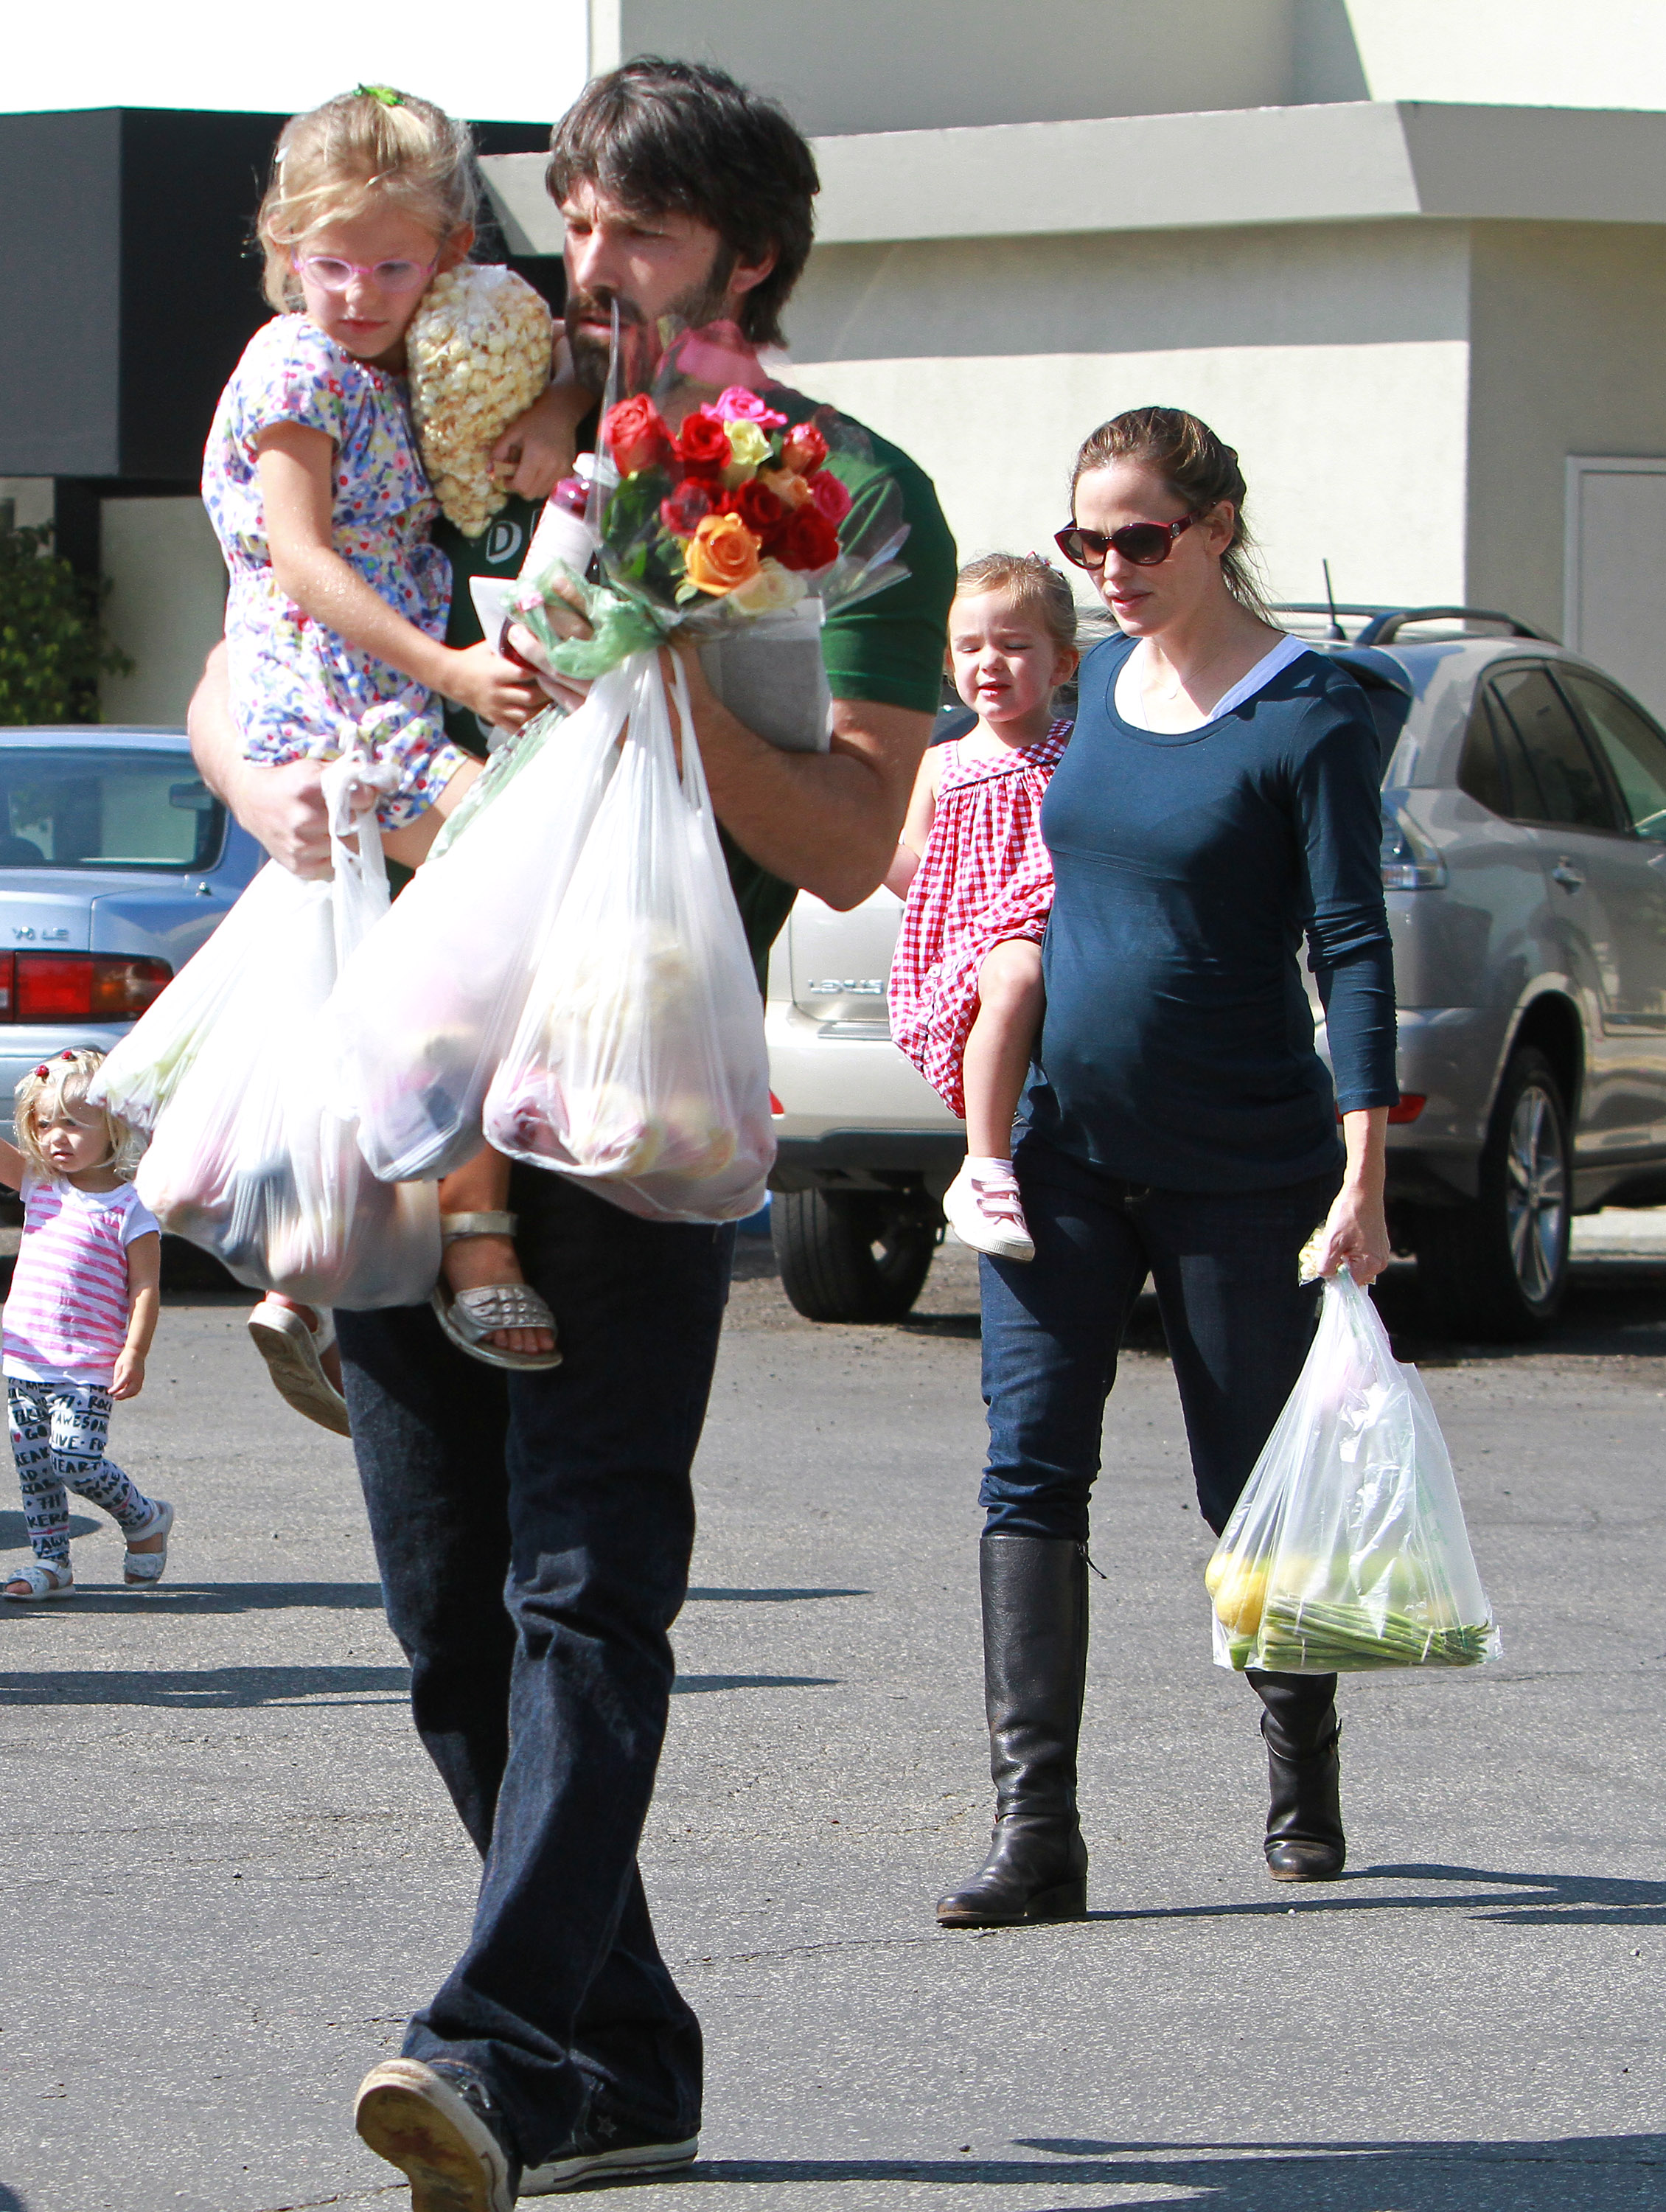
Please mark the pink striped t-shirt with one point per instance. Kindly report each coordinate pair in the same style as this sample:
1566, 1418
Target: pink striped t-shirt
66, 1318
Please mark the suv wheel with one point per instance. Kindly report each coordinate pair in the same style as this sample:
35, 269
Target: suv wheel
1497, 1268
853, 1255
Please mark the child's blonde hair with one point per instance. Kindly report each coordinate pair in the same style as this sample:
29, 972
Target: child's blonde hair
1033, 584
62, 1082
371, 147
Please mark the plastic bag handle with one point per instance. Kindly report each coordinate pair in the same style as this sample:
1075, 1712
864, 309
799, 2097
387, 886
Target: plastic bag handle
695, 786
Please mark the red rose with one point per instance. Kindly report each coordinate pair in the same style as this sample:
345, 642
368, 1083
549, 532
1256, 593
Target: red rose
703, 447
803, 449
758, 507
637, 436
829, 496
686, 510
809, 540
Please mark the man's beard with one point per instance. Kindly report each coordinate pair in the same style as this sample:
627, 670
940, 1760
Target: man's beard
702, 303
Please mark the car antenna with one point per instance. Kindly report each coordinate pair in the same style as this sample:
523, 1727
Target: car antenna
1336, 630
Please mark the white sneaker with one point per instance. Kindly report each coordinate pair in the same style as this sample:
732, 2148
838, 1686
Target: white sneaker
988, 1214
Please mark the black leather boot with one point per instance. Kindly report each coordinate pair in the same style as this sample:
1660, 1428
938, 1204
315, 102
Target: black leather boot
1035, 1662
1305, 1839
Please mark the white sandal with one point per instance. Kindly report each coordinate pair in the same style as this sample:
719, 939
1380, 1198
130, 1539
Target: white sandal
471, 1318
145, 1569
44, 1581
291, 1352
989, 1215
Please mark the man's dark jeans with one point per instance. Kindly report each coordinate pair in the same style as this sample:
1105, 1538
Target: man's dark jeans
534, 1533
1238, 1328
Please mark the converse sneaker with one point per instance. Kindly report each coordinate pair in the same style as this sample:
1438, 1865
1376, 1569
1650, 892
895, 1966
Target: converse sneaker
606, 2152
983, 1209
437, 2124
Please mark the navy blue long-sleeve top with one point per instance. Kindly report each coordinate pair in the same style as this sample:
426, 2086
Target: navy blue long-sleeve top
1177, 1048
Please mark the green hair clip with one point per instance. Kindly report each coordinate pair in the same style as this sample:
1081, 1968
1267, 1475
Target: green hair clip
385, 93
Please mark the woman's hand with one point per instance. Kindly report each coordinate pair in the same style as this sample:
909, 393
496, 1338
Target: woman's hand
492, 688
1356, 1230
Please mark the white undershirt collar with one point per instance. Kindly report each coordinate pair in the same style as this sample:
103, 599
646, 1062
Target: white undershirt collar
1130, 703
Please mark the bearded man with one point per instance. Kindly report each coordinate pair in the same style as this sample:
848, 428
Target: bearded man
534, 1530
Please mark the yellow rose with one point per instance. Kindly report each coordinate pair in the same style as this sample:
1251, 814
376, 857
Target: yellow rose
748, 448
722, 554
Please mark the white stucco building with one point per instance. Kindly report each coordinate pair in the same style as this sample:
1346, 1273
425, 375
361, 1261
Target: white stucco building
1409, 255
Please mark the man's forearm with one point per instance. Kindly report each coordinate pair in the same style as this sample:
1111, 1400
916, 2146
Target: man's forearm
828, 823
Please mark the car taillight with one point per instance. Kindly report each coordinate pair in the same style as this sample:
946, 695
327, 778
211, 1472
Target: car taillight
79, 986
1412, 1103
775, 1105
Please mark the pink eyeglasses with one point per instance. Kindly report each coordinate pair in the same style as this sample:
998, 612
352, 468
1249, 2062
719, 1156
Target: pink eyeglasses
332, 275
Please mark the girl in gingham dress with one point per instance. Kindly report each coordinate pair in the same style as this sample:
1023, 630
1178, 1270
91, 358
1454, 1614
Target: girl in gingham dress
79, 1319
966, 992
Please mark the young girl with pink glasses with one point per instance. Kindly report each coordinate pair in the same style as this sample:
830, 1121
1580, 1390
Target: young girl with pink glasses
337, 609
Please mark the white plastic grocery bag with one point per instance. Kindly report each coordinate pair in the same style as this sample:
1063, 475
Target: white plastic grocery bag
425, 1007
639, 1064
1347, 1549
230, 1070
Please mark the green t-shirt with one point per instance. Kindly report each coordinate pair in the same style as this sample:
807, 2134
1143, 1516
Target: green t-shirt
889, 649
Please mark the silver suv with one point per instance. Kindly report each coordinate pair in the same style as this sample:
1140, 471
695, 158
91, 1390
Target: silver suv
1524, 863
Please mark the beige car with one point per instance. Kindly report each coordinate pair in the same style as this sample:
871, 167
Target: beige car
867, 1147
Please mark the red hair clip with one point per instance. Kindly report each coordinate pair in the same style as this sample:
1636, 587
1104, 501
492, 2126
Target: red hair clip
42, 1072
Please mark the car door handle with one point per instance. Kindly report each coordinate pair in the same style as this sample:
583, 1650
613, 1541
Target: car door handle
1567, 876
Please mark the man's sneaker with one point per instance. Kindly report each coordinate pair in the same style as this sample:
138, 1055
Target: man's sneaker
439, 2126
615, 2153
986, 1213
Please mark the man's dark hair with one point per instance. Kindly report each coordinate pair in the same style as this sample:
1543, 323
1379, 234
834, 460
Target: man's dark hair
661, 136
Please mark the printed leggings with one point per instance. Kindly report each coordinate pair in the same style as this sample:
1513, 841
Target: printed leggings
58, 1438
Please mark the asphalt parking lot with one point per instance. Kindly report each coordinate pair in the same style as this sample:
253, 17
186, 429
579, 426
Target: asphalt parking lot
231, 1872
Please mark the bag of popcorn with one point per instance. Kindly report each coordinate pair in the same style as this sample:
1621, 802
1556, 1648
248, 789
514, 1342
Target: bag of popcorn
479, 353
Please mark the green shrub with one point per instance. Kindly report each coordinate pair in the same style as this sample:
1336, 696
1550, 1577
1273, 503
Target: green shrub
52, 650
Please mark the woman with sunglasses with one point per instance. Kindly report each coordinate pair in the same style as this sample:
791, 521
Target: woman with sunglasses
1218, 803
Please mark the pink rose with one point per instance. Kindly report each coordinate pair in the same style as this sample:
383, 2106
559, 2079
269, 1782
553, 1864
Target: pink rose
737, 404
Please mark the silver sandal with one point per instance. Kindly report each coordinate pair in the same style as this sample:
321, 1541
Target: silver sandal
144, 1569
470, 1318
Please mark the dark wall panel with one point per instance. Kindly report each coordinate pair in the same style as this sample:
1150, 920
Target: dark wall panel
60, 293
190, 286
129, 286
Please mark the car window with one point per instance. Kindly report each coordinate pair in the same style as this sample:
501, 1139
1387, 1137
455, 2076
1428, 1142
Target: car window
1635, 749
1482, 772
1575, 795
115, 809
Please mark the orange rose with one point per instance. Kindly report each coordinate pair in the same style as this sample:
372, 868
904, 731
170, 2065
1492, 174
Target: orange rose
722, 554
792, 491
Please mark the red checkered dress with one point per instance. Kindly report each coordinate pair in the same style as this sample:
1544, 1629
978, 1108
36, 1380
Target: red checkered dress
984, 878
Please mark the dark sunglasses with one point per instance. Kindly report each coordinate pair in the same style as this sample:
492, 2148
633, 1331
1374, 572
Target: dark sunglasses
1144, 543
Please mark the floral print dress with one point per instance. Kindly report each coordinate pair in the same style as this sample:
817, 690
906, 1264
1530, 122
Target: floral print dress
984, 877
298, 689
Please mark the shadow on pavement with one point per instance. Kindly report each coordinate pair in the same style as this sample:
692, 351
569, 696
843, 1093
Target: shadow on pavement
1588, 2173
1570, 1900
759, 1597
209, 1597
233, 1686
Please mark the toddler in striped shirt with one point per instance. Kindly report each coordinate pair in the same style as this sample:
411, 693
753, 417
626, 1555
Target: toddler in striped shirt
78, 1323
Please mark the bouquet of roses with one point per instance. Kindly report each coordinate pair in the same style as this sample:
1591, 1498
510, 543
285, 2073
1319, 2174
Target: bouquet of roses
736, 528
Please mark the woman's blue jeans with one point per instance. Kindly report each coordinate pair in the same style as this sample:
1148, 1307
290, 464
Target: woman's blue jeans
1238, 1328
533, 1532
